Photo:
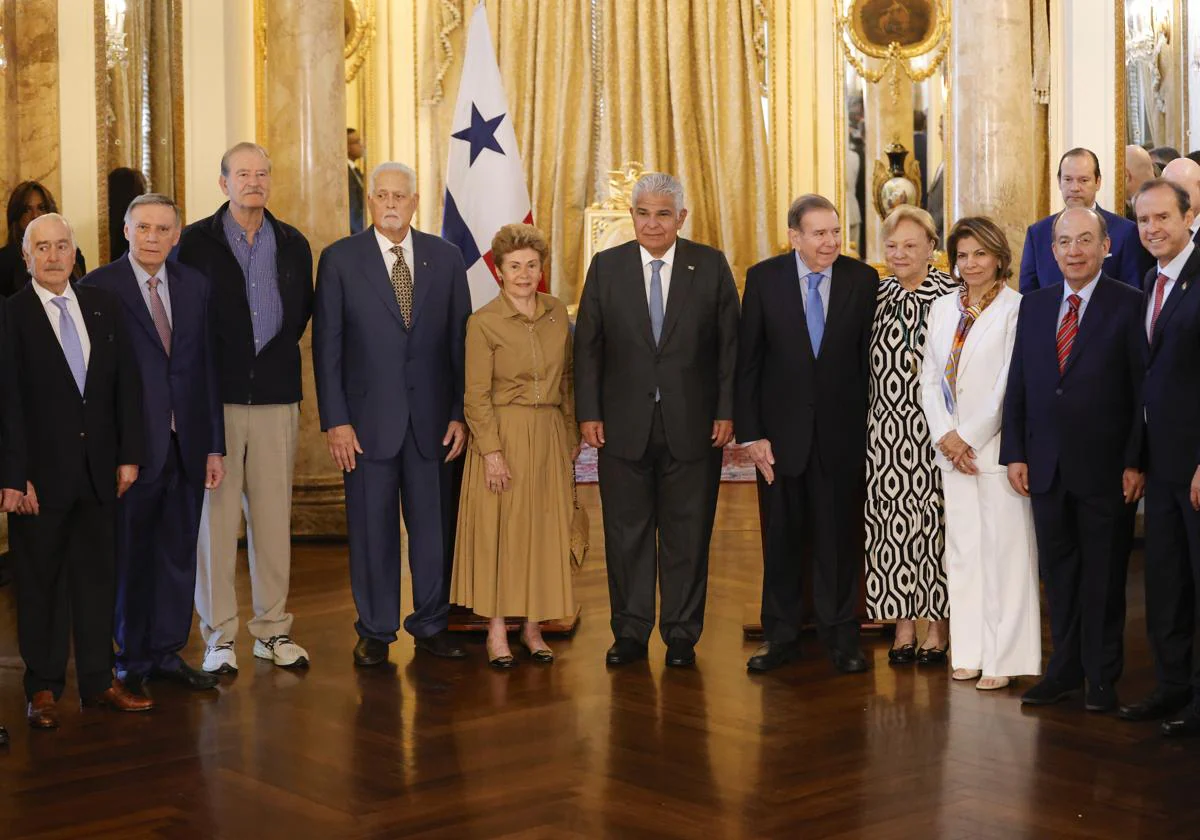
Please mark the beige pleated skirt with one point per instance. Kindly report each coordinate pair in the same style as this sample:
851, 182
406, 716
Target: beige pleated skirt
512, 552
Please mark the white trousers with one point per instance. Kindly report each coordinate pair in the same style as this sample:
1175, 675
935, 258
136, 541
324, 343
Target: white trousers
991, 575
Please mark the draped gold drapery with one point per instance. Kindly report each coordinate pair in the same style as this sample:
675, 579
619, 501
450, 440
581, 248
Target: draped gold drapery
591, 84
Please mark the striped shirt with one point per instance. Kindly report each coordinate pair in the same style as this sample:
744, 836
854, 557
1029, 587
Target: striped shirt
262, 281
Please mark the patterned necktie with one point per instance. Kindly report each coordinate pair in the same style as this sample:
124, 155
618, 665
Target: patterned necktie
1067, 331
815, 314
1159, 288
402, 285
158, 314
71, 345
656, 299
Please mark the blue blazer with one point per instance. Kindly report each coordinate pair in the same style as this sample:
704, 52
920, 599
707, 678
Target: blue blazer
372, 372
1172, 389
1127, 261
186, 381
1084, 425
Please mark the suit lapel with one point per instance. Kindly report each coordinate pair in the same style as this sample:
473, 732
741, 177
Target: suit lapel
98, 336
1183, 286
683, 277
1097, 312
793, 300
131, 296
839, 297
44, 333
376, 273
978, 330
422, 281
635, 291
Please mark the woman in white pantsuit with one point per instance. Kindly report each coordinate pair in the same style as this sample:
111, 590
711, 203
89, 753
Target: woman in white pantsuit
991, 559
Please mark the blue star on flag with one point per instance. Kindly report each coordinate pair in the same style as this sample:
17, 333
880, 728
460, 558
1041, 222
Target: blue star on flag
481, 134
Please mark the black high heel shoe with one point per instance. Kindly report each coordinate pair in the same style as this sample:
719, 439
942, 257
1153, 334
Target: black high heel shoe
543, 656
933, 656
903, 655
502, 663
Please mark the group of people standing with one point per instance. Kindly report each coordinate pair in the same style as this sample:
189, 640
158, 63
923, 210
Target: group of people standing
148, 405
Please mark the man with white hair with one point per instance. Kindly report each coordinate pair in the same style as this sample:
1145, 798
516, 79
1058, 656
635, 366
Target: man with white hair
71, 425
389, 333
261, 299
655, 348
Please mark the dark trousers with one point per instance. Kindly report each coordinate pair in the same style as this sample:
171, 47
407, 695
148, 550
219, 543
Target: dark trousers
375, 492
157, 525
658, 520
815, 517
64, 573
1083, 551
1172, 573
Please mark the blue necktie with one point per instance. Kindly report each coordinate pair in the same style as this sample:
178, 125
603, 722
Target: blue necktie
72, 347
656, 299
815, 314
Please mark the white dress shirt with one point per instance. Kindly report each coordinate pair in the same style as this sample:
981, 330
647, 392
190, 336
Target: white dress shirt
1085, 294
1172, 270
389, 259
822, 287
53, 313
164, 288
664, 273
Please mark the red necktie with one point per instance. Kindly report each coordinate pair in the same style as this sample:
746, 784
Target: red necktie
1067, 331
1159, 288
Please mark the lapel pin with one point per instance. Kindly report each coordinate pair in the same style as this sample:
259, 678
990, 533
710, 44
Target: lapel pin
691, 268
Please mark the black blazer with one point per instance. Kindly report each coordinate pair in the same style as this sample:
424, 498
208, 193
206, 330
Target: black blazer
272, 377
786, 395
1172, 386
618, 366
53, 437
1086, 424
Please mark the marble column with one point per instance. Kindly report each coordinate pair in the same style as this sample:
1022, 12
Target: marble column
990, 121
888, 119
304, 101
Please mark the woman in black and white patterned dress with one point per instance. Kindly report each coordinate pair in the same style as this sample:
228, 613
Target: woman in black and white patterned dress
906, 577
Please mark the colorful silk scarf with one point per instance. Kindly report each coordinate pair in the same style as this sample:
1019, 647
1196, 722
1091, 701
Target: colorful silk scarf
967, 318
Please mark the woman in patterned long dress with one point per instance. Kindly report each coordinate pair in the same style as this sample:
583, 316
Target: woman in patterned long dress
906, 578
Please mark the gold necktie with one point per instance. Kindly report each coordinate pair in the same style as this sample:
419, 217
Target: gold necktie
402, 285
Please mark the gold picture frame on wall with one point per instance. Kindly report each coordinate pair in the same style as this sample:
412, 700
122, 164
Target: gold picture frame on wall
895, 28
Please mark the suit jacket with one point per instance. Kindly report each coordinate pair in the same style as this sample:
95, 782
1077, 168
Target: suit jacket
982, 376
354, 180
1127, 261
373, 373
1172, 386
184, 382
53, 437
787, 395
1084, 425
618, 366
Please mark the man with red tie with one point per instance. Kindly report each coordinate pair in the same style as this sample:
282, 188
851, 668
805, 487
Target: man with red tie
1072, 440
1171, 400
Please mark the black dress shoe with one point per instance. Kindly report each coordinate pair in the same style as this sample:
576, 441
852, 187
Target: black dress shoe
932, 656
441, 645
185, 674
3, 737
370, 652
1047, 692
1188, 725
681, 654
771, 655
624, 651
903, 655
854, 662
134, 683
1159, 704
1101, 697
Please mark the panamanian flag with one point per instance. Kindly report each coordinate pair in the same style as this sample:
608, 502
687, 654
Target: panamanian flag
485, 184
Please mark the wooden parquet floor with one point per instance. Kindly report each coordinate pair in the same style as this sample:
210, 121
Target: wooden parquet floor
433, 749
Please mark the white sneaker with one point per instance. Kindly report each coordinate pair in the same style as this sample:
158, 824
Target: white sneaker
282, 651
220, 659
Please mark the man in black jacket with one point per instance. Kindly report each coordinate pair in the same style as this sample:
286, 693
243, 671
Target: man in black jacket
260, 303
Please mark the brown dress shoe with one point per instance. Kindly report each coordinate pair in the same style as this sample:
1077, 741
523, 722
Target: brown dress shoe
41, 713
118, 697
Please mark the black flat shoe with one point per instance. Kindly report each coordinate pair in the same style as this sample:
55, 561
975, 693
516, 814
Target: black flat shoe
681, 654
442, 645
543, 656
624, 651
772, 655
853, 662
370, 652
903, 655
1158, 705
1101, 697
932, 656
503, 662
1047, 692
185, 674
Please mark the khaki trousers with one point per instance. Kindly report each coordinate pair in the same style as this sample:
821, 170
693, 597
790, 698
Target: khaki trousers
260, 452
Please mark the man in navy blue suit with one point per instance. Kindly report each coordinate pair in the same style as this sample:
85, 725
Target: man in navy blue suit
389, 328
1079, 181
1072, 440
158, 520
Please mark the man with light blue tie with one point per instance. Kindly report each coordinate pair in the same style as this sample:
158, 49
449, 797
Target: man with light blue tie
655, 345
801, 412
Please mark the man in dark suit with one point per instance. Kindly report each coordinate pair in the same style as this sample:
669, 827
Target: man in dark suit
655, 345
801, 410
71, 429
1072, 439
260, 271
388, 353
1171, 397
354, 179
158, 520
1186, 173
1079, 181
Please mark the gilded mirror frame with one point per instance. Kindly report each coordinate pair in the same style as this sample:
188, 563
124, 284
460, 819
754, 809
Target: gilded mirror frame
104, 135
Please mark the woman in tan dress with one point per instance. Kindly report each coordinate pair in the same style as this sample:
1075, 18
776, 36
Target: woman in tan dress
513, 549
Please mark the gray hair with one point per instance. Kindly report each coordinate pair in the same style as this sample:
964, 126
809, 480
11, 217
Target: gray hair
393, 166
806, 204
244, 146
659, 183
1101, 224
152, 199
29, 235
